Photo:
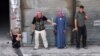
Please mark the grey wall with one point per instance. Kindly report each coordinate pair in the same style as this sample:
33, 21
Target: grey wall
49, 7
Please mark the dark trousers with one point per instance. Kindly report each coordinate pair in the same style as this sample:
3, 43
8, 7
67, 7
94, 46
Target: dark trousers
82, 32
15, 43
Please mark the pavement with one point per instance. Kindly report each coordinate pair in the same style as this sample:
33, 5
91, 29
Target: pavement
7, 50
93, 50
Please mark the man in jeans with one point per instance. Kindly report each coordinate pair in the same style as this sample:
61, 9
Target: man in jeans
80, 26
39, 29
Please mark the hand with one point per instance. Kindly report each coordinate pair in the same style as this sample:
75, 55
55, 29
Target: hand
64, 31
53, 24
86, 17
54, 31
18, 39
32, 33
75, 29
32, 30
19, 35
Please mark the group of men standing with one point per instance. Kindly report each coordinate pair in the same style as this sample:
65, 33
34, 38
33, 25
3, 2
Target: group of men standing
60, 27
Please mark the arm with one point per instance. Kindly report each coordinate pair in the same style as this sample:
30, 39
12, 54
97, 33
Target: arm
33, 27
55, 26
33, 24
65, 24
86, 17
75, 24
10, 33
49, 21
18, 37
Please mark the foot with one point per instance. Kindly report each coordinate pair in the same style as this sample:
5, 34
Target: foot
77, 48
35, 48
47, 48
65, 47
85, 47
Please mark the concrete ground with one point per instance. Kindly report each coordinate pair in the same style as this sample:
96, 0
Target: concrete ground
7, 50
93, 50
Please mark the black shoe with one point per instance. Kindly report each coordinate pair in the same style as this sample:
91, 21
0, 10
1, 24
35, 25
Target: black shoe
77, 48
85, 47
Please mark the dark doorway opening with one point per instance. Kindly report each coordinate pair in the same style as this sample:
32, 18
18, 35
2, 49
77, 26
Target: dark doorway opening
4, 17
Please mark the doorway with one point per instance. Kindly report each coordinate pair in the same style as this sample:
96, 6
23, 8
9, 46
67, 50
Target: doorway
4, 18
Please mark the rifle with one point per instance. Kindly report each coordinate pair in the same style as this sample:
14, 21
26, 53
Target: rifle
32, 34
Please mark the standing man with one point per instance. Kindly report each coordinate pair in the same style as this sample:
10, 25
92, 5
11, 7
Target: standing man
39, 29
60, 29
80, 26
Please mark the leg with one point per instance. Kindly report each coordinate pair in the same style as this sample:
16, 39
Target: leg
13, 41
78, 38
84, 36
72, 38
36, 39
43, 35
17, 44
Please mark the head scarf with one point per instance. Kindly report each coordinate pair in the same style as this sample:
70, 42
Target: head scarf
60, 13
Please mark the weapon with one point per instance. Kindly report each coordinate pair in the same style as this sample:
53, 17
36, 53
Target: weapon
32, 34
